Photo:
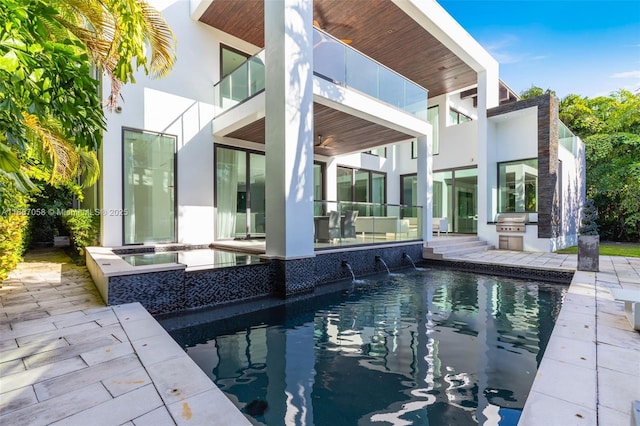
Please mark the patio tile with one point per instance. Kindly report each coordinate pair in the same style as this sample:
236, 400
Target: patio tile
577, 352
127, 381
118, 410
39, 374
619, 359
612, 384
56, 355
208, 408
55, 333
107, 353
566, 382
626, 338
157, 349
169, 375
546, 410
17, 399
32, 348
22, 329
159, 416
11, 367
131, 312
142, 329
608, 416
97, 373
58, 408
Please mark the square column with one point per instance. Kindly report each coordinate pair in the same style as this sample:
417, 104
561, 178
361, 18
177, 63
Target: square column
488, 92
425, 185
289, 138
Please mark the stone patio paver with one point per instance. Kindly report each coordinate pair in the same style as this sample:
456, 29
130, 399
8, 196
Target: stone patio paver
66, 358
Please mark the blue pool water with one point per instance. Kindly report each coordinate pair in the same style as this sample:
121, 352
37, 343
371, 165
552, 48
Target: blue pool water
423, 347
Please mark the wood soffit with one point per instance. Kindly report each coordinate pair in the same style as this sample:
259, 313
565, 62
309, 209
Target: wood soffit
335, 132
377, 28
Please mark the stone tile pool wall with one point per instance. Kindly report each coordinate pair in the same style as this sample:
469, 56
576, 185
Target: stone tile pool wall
171, 287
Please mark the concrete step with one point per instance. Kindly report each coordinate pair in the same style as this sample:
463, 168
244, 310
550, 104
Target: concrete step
452, 241
454, 247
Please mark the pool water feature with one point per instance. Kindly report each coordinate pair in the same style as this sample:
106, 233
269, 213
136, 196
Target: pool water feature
434, 347
193, 259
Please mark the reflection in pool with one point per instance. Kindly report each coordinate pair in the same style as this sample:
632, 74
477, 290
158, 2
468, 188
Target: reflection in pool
423, 347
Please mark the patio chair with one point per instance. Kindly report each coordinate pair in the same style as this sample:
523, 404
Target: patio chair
349, 224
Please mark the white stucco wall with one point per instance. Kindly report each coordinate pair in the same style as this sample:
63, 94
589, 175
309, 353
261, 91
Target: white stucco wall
179, 104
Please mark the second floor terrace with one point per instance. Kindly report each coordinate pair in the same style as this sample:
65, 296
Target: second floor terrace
336, 62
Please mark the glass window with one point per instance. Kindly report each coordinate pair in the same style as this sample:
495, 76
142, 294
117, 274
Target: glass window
344, 177
362, 186
380, 152
442, 194
148, 189
518, 186
409, 194
318, 188
433, 117
456, 117
230, 59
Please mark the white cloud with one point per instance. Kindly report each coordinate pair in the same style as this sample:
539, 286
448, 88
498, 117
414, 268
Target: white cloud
626, 74
506, 50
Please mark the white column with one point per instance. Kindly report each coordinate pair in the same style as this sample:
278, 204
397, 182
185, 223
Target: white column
488, 97
289, 128
425, 184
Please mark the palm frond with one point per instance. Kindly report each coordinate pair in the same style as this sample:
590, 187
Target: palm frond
161, 41
50, 146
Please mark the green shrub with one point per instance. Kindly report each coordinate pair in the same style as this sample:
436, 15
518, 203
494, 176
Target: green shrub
14, 220
83, 227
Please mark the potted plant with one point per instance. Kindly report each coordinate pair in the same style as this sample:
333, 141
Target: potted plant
589, 240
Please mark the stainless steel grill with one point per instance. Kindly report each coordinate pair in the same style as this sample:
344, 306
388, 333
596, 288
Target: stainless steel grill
512, 222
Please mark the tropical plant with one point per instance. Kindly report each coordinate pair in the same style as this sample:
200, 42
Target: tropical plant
609, 126
13, 226
50, 102
83, 228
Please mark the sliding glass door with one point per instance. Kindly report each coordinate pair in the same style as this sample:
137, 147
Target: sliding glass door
455, 196
149, 187
240, 194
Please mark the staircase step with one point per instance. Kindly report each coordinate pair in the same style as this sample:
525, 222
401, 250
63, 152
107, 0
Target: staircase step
454, 247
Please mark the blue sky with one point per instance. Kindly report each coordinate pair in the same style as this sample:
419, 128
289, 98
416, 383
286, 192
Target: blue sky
590, 48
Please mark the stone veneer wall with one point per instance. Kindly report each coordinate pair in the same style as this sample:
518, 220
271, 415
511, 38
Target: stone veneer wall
548, 222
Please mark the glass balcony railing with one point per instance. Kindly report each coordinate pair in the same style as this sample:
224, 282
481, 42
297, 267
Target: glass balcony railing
334, 61
242, 83
342, 64
566, 138
345, 223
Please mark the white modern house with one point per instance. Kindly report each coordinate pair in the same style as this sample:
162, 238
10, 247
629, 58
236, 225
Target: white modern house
280, 112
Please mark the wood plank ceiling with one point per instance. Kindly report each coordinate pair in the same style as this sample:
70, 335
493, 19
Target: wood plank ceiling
377, 28
335, 132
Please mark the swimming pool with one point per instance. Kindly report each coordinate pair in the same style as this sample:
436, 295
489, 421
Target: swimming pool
435, 347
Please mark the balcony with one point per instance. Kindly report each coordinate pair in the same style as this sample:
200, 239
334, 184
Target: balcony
334, 61
567, 139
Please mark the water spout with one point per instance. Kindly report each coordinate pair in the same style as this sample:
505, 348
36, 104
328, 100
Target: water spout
406, 256
345, 264
379, 259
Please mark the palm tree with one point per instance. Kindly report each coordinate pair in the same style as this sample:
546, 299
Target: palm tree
116, 33
51, 109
